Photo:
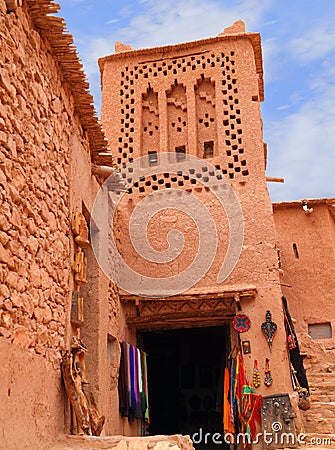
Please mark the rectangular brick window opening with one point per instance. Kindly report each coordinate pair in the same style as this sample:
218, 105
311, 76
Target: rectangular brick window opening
153, 158
320, 330
180, 153
208, 149
295, 251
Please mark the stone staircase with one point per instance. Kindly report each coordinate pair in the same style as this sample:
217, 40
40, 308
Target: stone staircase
319, 420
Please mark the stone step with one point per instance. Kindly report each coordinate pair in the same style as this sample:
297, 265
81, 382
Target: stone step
322, 406
322, 398
318, 440
318, 426
311, 414
323, 416
320, 376
322, 388
316, 383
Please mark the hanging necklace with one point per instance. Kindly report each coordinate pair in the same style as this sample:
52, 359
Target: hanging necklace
268, 377
256, 378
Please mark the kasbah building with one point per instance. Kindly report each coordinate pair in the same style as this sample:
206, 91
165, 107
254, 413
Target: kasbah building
142, 345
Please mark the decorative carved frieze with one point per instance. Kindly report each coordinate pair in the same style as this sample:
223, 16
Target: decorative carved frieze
181, 311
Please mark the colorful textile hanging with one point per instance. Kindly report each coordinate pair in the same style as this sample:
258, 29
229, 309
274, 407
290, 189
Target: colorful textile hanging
245, 403
228, 423
133, 383
250, 411
144, 396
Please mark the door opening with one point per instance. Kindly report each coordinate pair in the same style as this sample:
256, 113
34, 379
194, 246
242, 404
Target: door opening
185, 374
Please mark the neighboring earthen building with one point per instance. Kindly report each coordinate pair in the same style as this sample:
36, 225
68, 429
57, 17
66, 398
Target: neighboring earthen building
64, 303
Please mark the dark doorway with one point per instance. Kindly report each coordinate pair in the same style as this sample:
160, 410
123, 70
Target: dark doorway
185, 374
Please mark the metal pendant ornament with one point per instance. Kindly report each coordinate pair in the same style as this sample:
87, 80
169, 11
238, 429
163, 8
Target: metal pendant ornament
269, 328
267, 377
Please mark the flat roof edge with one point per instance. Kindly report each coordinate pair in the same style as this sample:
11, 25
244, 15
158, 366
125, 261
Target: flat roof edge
298, 203
254, 37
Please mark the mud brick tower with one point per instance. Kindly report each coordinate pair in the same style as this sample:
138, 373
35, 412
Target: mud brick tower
202, 99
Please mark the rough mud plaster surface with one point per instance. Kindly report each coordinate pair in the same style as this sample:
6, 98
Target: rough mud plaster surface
188, 96
31, 407
308, 277
38, 129
35, 138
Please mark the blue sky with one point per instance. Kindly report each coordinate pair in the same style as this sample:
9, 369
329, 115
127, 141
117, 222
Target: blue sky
298, 38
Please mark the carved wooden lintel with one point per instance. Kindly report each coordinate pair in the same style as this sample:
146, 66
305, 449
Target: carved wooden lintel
207, 309
242, 293
173, 314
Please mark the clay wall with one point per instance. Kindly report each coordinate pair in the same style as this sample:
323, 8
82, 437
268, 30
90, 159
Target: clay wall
306, 243
35, 245
45, 174
200, 98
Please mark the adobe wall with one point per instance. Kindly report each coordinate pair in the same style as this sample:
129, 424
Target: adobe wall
308, 274
35, 247
45, 173
179, 99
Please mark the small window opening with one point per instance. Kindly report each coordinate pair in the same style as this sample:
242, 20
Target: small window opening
295, 251
180, 153
112, 350
208, 149
320, 330
153, 158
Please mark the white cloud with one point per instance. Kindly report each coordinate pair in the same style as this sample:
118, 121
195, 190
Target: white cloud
167, 22
272, 60
282, 107
301, 148
301, 141
315, 44
172, 21
291, 45
112, 21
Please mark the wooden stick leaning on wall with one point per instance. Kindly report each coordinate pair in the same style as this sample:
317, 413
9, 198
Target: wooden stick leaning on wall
88, 418
76, 395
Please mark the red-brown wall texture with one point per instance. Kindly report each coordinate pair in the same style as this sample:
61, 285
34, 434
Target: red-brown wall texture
49, 137
45, 171
200, 99
307, 249
36, 128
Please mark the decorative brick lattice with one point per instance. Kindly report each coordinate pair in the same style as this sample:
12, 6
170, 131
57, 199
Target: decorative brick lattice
150, 121
127, 101
177, 116
206, 117
197, 75
236, 163
193, 180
